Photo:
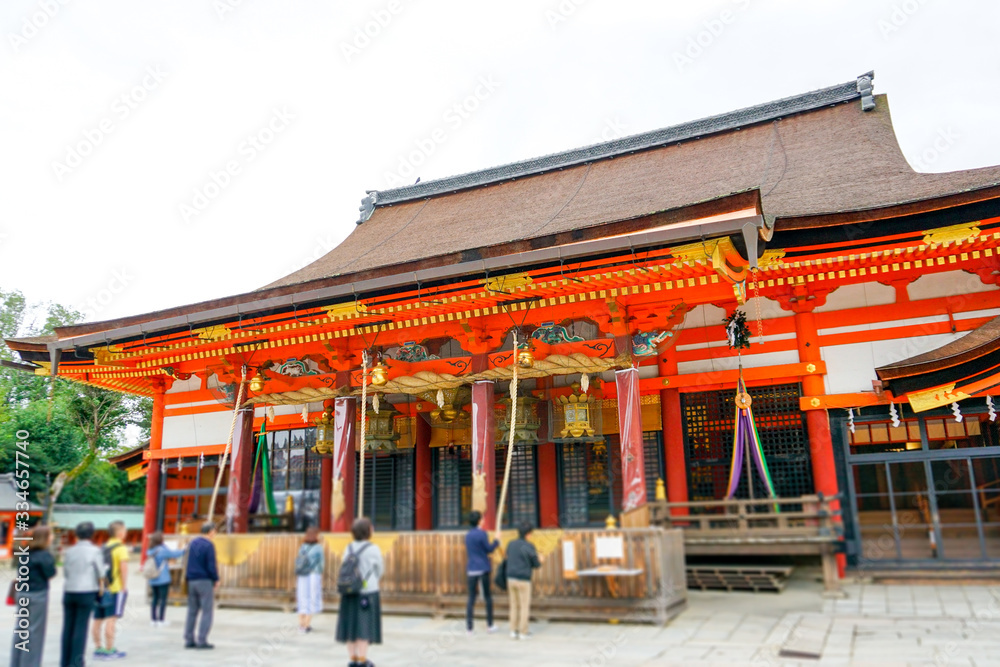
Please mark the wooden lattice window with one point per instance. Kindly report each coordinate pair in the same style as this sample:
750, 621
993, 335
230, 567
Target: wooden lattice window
389, 489
708, 441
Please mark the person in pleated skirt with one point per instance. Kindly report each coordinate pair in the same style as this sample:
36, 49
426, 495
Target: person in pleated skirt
359, 622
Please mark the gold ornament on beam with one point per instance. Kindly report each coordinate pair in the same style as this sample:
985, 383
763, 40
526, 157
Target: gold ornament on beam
256, 383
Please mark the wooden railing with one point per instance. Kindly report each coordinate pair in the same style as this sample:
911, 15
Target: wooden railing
425, 573
779, 526
987, 501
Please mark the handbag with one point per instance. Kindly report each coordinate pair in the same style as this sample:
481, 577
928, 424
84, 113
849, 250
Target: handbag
501, 576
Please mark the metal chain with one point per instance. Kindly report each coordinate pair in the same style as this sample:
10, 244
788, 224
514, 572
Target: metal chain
364, 432
756, 301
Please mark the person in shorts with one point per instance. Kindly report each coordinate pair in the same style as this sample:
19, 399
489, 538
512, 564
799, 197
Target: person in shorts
111, 605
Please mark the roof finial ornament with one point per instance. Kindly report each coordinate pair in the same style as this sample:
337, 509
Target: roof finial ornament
865, 88
367, 206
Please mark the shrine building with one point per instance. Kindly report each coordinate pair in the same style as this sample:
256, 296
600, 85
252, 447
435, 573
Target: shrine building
870, 293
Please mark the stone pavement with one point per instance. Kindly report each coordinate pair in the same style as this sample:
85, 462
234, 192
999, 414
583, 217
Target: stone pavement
874, 625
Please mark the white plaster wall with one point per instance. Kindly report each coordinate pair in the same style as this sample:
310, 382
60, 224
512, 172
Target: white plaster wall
769, 309
193, 383
949, 283
851, 368
197, 430
732, 363
856, 296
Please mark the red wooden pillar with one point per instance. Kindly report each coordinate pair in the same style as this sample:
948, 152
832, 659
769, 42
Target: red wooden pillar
817, 421
548, 478
423, 514
673, 433
326, 485
345, 467
238, 496
150, 517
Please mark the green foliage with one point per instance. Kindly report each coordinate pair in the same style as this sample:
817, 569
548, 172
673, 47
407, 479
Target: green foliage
72, 427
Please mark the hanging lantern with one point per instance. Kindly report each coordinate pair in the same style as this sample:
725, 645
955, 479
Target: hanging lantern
380, 374
578, 413
449, 401
382, 435
526, 421
324, 434
256, 383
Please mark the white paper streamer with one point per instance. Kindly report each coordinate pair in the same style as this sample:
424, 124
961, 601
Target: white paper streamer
957, 411
894, 414
850, 419
270, 413
584, 382
375, 403
992, 411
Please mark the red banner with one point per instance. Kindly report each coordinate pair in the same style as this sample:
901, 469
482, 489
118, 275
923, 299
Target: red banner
630, 430
344, 439
344, 417
484, 434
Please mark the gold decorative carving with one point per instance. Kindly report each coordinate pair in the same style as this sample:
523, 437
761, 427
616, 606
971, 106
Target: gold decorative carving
507, 283
953, 233
771, 258
343, 310
810, 368
46, 368
814, 402
213, 333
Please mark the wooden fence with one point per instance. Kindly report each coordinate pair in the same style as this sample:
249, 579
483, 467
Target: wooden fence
803, 525
425, 573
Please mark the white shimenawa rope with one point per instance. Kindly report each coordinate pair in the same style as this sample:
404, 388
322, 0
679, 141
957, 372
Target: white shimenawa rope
229, 444
364, 432
510, 440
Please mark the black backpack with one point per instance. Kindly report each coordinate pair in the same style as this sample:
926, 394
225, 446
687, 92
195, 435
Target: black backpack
350, 581
108, 552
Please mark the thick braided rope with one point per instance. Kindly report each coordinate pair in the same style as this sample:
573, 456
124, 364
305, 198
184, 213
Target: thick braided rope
510, 439
364, 433
229, 444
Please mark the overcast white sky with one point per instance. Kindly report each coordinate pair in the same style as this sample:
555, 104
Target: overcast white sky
114, 115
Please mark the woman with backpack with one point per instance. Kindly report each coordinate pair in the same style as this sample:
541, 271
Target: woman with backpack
359, 622
309, 579
157, 571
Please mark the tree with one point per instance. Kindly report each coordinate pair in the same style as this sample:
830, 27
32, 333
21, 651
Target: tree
72, 426
98, 414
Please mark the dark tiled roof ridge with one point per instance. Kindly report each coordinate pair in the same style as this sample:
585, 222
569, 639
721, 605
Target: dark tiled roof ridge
728, 121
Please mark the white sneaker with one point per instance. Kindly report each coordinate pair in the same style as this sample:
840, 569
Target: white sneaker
526, 635
492, 629
154, 624
513, 635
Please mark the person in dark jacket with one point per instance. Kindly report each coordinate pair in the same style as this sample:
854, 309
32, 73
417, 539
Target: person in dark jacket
522, 559
31, 597
202, 581
477, 569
